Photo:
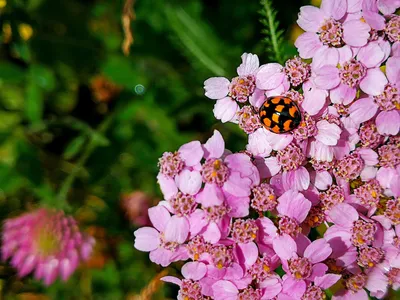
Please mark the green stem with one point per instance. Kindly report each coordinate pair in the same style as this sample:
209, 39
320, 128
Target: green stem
91, 146
272, 28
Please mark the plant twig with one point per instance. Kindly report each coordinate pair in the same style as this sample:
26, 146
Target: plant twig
128, 15
91, 146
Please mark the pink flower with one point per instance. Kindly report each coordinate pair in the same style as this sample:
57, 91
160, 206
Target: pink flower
190, 286
375, 281
228, 93
230, 176
303, 267
326, 34
45, 242
388, 119
362, 71
353, 229
181, 170
293, 209
164, 242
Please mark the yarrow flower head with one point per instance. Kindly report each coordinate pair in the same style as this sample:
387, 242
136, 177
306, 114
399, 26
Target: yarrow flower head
45, 242
317, 194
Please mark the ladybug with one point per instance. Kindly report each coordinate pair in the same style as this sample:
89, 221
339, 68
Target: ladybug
280, 114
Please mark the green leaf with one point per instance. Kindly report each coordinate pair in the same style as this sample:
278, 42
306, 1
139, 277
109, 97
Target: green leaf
10, 180
199, 42
121, 71
34, 103
43, 77
74, 147
11, 73
274, 36
28, 164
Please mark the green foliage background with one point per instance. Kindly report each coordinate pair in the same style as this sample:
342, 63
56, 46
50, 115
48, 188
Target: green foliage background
59, 147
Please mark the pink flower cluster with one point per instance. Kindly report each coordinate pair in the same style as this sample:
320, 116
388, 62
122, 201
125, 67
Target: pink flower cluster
296, 213
45, 242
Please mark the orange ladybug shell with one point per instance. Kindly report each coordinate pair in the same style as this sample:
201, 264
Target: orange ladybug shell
280, 114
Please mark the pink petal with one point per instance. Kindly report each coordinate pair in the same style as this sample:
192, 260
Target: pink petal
239, 206
216, 87
234, 272
194, 270
66, 268
294, 288
159, 217
371, 55
327, 77
343, 94
343, 215
388, 122
298, 179
171, 279
320, 151
211, 195
345, 54
249, 65
215, 146
356, 33
362, 110
177, 230
369, 156
396, 49
393, 70
212, 233
314, 99
258, 143
318, 251
310, 18
294, 205
272, 286
247, 253
375, 20
349, 295
323, 180
318, 270
239, 162
225, 110
328, 133
191, 153
161, 256
237, 186
388, 7
334, 8
225, 290
272, 166
269, 76
326, 281
325, 56
377, 282
354, 6
374, 82
278, 141
167, 186
189, 182
307, 44
257, 99
385, 176
285, 247
197, 222
146, 239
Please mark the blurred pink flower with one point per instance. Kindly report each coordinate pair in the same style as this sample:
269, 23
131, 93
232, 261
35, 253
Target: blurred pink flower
135, 206
45, 242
